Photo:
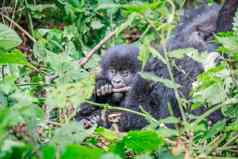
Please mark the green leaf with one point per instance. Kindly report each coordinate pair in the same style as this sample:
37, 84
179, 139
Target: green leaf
71, 133
8, 38
81, 152
49, 152
229, 43
213, 94
106, 133
7, 85
76, 93
165, 82
15, 57
232, 126
140, 142
145, 54
215, 129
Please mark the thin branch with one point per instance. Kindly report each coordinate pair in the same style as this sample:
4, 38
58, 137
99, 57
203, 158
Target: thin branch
106, 38
213, 109
98, 46
118, 90
19, 27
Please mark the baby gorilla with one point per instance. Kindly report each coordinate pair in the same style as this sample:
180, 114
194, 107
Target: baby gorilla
119, 67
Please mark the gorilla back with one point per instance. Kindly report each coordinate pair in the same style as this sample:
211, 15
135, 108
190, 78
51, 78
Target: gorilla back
195, 31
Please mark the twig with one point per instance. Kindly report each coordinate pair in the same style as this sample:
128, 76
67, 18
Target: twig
118, 90
105, 39
98, 46
54, 123
18, 26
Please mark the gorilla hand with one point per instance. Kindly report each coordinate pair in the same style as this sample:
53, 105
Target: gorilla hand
103, 87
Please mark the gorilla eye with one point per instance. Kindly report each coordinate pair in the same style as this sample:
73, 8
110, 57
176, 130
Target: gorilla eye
125, 73
112, 71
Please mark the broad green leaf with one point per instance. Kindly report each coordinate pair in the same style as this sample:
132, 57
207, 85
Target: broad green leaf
140, 142
4, 120
71, 133
141, 7
215, 129
165, 82
8, 38
106, 133
8, 145
230, 43
81, 152
144, 51
15, 57
213, 94
76, 93
232, 126
7, 85
49, 152
64, 67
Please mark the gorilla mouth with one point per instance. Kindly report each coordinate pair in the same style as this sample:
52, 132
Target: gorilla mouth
121, 89
118, 86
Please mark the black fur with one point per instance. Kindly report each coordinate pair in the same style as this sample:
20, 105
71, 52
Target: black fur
195, 30
119, 57
226, 15
154, 98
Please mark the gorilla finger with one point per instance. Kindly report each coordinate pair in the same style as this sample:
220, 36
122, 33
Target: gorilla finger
99, 93
110, 88
104, 90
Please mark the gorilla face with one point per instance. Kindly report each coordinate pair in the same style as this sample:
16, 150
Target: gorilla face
120, 78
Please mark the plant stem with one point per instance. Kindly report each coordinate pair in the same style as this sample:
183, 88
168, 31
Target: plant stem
30, 24
19, 27
105, 106
213, 109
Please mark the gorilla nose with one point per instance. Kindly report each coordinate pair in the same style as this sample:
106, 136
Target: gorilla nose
117, 83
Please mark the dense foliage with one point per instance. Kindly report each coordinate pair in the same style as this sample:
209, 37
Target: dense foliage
43, 81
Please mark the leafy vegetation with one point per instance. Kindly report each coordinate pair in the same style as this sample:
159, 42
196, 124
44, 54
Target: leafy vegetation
43, 81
